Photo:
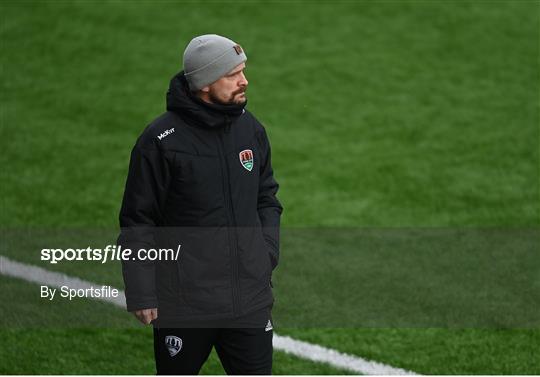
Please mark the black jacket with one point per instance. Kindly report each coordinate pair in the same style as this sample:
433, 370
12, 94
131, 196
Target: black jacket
200, 176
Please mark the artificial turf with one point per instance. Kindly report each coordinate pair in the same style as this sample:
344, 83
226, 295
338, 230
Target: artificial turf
389, 115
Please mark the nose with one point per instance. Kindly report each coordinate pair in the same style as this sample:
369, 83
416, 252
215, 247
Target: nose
243, 81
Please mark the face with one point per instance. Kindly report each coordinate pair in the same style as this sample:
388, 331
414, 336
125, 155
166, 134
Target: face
228, 90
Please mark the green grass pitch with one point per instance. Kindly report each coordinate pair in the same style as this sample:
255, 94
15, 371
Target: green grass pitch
390, 114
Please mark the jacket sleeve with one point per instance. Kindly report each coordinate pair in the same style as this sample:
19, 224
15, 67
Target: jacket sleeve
268, 206
144, 196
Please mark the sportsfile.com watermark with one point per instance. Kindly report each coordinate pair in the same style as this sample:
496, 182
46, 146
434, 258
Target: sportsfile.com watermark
109, 253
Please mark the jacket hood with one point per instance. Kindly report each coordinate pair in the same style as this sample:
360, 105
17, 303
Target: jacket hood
181, 101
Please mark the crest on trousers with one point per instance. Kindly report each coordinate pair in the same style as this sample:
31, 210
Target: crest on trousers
174, 344
246, 159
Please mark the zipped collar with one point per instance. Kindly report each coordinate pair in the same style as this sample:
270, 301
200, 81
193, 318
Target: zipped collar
183, 102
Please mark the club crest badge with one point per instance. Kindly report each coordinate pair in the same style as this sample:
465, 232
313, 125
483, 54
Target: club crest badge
246, 159
174, 344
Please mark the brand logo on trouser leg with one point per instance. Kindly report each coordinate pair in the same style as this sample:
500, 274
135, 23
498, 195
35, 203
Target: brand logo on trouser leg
268, 326
174, 344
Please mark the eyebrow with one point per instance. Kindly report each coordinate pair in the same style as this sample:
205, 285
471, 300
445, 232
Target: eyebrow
234, 73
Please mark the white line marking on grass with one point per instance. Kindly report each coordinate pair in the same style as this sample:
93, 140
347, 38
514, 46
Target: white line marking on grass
318, 353
286, 344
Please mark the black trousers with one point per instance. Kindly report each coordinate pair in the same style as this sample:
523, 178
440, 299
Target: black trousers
246, 351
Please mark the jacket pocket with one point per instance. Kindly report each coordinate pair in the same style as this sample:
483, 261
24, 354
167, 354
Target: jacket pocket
205, 270
254, 255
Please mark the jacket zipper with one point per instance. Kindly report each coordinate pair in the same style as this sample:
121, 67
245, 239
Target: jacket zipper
231, 223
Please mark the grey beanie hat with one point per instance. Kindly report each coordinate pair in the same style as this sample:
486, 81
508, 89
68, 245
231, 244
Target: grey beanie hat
209, 57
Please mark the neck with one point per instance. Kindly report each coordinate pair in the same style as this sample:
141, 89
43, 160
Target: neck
203, 96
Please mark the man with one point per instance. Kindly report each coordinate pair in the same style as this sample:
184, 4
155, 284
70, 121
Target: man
200, 181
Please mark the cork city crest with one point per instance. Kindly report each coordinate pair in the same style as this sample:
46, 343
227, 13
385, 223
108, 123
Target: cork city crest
173, 344
246, 159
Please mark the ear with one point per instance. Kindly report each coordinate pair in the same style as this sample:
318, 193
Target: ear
205, 89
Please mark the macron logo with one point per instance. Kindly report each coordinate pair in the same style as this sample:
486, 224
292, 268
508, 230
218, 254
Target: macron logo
166, 133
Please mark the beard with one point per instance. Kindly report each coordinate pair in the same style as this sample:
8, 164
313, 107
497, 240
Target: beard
231, 100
